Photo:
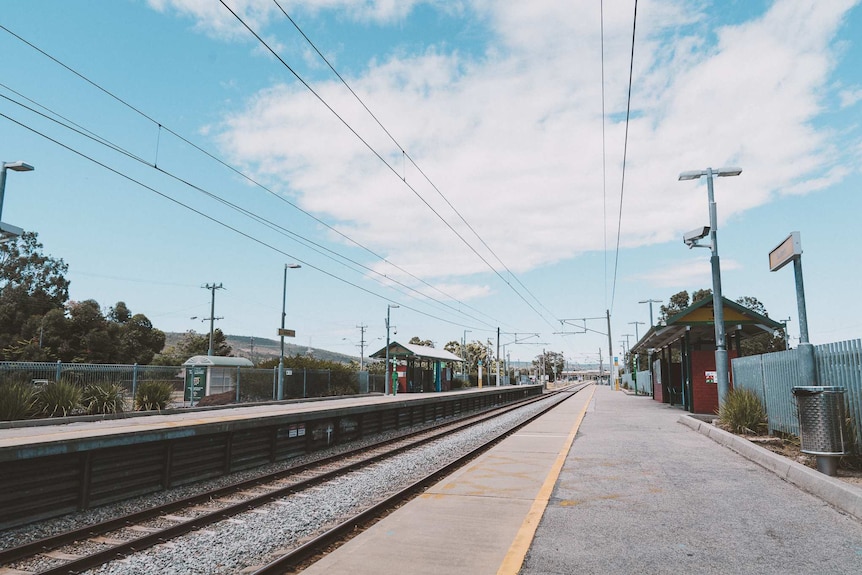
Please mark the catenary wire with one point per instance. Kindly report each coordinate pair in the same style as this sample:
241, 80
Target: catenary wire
383, 160
604, 174
408, 157
314, 246
235, 170
226, 225
625, 151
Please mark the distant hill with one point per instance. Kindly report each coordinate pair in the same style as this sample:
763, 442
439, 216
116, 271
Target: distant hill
260, 349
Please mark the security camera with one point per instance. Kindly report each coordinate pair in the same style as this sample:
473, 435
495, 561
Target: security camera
690, 238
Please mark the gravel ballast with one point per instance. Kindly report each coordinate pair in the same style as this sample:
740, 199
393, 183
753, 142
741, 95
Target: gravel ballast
251, 538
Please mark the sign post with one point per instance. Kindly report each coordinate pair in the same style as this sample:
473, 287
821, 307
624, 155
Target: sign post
790, 250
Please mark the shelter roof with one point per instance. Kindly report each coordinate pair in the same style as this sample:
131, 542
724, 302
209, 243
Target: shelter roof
699, 320
408, 350
218, 361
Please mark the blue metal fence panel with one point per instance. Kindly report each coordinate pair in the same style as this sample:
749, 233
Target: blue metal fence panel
772, 377
644, 382
780, 375
840, 364
748, 374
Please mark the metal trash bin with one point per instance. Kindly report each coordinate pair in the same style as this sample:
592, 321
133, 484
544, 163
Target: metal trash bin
821, 424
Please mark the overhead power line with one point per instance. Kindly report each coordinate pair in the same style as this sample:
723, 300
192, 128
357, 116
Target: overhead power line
305, 241
318, 248
381, 158
280, 197
625, 152
224, 224
407, 156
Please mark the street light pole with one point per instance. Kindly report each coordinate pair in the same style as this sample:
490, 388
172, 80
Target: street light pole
386, 371
636, 324
7, 231
280, 394
721, 373
650, 302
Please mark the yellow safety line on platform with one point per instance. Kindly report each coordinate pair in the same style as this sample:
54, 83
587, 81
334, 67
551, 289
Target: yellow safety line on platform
518, 550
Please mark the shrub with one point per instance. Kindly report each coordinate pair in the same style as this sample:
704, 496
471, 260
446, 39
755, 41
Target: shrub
100, 398
17, 399
153, 395
58, 398
742, 412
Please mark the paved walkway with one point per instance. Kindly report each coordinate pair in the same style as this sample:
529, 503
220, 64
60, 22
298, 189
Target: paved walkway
641, 493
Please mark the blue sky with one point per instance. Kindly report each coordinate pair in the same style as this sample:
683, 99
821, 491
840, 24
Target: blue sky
500, 106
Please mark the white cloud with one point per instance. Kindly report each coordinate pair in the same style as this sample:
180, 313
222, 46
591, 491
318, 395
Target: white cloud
850, 97
514, 139
683, 275
213, 18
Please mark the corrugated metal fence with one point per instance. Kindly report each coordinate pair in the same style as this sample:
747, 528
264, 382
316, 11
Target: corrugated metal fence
772, 377
641, 383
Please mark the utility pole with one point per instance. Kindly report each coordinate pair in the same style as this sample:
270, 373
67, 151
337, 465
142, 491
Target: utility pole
464, 352
213, 289
610, 349
386, 382
362, 327
488, 355
498, 357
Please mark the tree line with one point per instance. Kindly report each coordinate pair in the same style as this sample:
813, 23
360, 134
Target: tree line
38, 322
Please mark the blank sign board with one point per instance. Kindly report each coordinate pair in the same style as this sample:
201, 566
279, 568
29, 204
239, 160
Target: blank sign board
785, 252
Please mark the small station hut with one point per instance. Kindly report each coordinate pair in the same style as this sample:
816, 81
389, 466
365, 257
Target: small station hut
682, 352
420, 368
211, 374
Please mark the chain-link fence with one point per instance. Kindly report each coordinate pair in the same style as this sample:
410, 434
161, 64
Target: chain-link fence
248, 384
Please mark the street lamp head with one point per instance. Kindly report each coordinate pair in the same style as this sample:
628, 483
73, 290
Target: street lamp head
691, 175
724, 172
393, 306
292, 266
18, 166
721, 172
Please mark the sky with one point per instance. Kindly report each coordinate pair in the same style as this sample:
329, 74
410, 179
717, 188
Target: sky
478, 164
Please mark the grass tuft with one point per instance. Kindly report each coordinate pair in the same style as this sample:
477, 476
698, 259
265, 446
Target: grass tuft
103, 398
58, 399
17, 398
153, 395
742, 412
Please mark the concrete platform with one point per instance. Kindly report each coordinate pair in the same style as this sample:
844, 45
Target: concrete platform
33, 436
471, 521
635, 492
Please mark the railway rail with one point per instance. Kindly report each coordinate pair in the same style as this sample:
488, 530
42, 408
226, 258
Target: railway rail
83, 548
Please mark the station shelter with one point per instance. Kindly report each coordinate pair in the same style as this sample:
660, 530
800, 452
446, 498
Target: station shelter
420, 368
210, 375
681, 352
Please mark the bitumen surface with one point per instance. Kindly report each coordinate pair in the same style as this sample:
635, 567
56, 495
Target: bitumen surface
642, 493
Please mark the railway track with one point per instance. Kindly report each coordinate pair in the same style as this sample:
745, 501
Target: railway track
81, 549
